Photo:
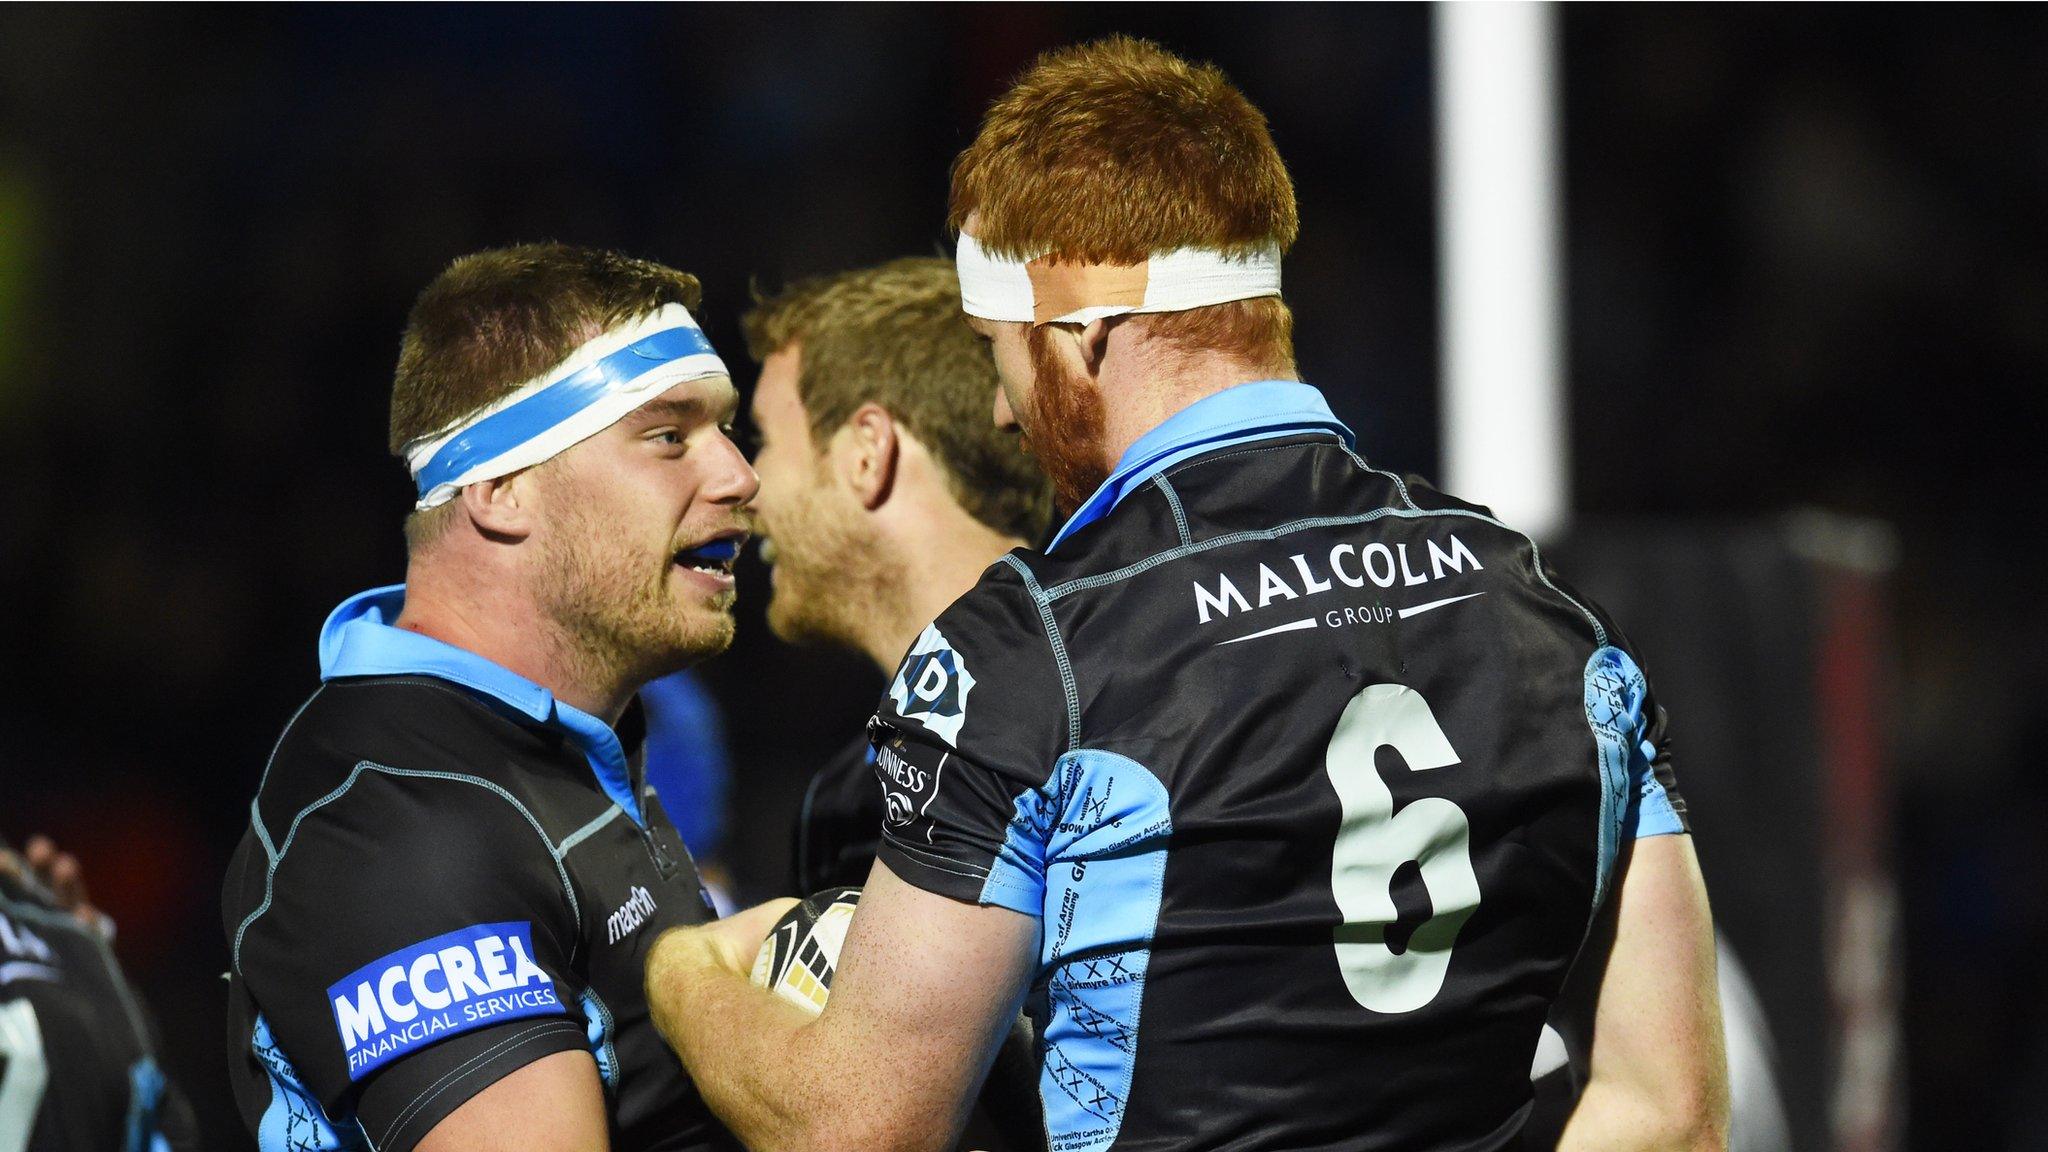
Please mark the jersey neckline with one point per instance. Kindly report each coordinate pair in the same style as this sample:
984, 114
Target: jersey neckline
1259, 410
359, 639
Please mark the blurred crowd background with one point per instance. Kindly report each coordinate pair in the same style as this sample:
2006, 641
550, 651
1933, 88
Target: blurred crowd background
1808, 270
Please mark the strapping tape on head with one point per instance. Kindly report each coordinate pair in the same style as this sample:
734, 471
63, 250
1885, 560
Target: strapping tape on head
1046, 291
593, 389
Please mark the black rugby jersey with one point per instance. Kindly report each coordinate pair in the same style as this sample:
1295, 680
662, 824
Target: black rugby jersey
1314, 778
448, 875
839, 824
78, 1066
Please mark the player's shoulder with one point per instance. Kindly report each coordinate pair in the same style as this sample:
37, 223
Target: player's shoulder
990, 664
415, 723
372, 773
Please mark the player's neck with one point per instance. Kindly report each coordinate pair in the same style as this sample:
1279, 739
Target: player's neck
947, 550
508, 627
1141, 395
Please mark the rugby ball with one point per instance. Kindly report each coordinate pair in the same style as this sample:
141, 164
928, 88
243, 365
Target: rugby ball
798, 958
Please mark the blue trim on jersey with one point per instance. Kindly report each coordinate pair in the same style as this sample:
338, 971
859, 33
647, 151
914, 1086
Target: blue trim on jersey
145, 1101
359, 640
1261, 410
1633, 803
294, 1121
1086, 853
598, 1033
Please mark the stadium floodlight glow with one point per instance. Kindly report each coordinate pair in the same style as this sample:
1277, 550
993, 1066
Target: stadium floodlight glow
1505, 442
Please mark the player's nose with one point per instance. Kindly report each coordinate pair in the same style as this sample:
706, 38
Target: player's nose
1004, 418
731, 480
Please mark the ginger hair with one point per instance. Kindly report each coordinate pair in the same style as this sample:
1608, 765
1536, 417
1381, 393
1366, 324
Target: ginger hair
1109, 151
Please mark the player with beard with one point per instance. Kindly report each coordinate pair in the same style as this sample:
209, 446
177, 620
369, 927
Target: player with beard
1282, 792
885, 494
453, 868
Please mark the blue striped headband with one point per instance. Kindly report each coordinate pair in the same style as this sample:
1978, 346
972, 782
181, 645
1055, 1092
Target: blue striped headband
585, 394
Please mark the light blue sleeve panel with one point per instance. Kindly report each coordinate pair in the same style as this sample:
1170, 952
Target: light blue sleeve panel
1628, 733
1016, 878
1087, 855
1651, 812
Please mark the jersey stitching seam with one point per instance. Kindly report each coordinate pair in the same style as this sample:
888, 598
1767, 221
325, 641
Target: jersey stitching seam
587, 831
255, 802
270, 874
1599, 781
1198, 461
1180, 517
943, 864
913, 850
1400, 485
1059, 650
1253, 449
427, 681
501, 1048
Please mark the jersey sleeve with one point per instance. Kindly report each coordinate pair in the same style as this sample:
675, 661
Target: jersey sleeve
416, 946
965, 737
1632, 729
1655, 806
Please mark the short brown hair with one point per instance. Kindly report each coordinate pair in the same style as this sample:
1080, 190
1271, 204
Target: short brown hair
494, 319
1109, 151
894, 335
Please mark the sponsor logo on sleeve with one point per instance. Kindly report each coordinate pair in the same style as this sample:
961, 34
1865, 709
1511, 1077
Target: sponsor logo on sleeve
907, 790
932, 686
456, 982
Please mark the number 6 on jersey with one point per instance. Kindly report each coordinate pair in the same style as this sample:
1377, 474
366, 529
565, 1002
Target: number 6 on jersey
1374, 840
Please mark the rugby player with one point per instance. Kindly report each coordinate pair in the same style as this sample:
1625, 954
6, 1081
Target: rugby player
453, 866
885, 493
1282, 791
78, 1051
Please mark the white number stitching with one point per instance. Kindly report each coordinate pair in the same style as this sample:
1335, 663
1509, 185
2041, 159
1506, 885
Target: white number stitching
1374, 840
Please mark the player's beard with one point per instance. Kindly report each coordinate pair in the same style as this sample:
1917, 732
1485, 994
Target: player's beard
833, 583
1065, 428
615, 606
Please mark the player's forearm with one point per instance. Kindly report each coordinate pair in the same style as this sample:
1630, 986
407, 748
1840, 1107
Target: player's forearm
735, 1041
1659, 1072
1627, 1118
774, 1075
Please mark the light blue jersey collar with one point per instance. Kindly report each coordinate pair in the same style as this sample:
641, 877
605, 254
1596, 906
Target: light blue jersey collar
1261, 410
359, 640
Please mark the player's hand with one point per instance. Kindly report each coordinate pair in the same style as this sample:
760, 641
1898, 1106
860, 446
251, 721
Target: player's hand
60, 880
729, 944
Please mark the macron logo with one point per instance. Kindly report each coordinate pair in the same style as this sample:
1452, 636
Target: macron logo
452, 983
630, 916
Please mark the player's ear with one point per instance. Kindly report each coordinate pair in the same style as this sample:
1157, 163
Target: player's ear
1093, 340
502, 508
865, 452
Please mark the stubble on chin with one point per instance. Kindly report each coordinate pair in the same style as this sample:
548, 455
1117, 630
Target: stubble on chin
832, 582
615, 611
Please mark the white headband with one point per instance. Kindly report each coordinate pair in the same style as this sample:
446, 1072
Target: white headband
593, 389
1043, 291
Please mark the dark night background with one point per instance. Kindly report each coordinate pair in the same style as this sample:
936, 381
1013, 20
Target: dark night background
1808, 270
